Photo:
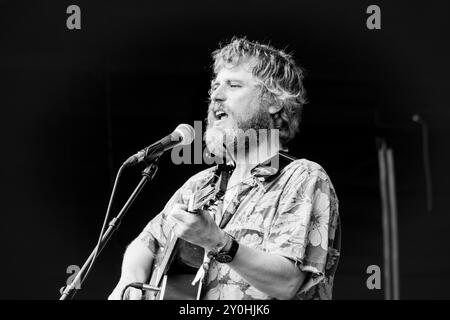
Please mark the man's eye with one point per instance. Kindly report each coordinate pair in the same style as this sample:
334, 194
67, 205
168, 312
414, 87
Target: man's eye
234, 85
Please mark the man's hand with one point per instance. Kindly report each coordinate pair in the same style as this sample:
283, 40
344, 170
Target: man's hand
198, 228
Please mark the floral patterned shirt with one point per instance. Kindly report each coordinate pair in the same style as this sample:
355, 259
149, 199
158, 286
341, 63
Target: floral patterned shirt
289, 209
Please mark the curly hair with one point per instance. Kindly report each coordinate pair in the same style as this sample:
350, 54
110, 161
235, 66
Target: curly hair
281, 80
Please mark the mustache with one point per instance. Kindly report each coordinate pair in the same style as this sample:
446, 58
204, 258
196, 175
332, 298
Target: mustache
212, 109
217, 106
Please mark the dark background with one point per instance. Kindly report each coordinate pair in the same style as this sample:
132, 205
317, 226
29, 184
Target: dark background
76, 103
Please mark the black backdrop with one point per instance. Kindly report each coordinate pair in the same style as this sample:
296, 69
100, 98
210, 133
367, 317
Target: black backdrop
75, 104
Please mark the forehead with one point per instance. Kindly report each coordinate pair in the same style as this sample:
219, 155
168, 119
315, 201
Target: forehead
240, 72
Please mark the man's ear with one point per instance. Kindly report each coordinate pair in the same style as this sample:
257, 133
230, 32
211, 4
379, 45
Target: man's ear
274, 109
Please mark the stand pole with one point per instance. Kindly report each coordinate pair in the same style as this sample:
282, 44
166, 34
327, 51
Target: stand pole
385, 221
69, 291
389, 222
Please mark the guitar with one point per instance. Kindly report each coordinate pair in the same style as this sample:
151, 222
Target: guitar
175, 269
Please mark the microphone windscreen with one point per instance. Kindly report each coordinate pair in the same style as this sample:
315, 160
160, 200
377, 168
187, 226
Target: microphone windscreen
186, 132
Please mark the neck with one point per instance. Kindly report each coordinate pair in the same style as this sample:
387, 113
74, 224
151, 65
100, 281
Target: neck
246, 161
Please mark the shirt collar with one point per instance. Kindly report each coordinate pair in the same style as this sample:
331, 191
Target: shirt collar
262, 171
266, 168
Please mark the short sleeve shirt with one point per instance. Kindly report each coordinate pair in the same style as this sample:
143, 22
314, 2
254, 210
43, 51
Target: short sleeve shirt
290, 210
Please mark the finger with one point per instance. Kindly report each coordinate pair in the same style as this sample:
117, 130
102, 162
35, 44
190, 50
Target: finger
205, 215
181, 215
186, 219
177, 211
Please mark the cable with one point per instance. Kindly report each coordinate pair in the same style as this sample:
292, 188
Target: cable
426, 160
122, 294
138, 285
108, 211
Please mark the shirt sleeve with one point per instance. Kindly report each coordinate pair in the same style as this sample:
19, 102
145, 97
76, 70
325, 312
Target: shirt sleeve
157, 231
304, 226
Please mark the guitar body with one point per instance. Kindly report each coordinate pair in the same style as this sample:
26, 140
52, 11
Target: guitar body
175, 269
175, 282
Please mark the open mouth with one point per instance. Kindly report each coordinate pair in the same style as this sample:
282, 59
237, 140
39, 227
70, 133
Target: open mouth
220, 114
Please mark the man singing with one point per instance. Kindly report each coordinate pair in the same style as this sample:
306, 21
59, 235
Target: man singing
274, 233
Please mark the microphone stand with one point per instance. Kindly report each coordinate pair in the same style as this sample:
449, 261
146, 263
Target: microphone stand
147, 175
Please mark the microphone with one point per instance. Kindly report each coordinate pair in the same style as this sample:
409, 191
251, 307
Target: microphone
184, 134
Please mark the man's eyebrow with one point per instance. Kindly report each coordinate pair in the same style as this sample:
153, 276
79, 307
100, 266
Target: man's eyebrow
215, 82
235, 80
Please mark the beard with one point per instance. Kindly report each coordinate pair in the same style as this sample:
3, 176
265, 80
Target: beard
241, 135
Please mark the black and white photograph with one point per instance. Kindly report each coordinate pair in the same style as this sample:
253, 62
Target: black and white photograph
226, 151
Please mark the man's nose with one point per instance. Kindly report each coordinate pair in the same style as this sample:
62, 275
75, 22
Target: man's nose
218, 95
